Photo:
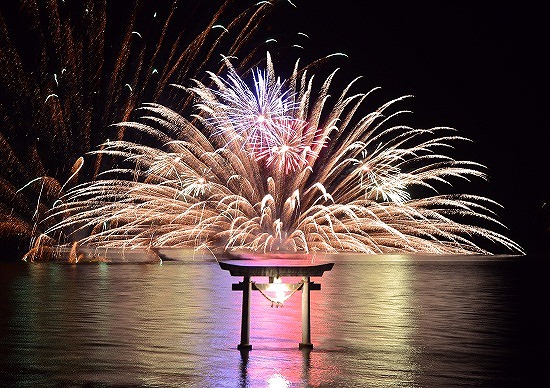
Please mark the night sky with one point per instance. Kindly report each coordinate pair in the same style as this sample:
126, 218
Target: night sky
480, 70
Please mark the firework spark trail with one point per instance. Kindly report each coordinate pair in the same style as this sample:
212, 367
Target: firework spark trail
87, 68
211, 183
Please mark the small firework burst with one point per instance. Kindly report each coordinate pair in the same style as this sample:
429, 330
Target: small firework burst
253, 114
287, 148
381, 177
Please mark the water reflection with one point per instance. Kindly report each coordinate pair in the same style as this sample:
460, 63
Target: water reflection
373, 320
290, 368
277, 381
374, 323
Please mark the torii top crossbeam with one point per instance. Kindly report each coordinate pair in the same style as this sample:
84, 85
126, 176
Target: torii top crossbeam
273, 265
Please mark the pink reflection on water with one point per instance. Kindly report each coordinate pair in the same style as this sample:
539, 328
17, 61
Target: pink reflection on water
275, 359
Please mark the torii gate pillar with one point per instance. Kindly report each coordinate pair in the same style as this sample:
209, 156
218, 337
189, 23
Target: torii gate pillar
245, 320
306, 315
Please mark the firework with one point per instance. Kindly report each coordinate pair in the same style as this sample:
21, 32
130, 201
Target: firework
275, 167
287, 147
71, 69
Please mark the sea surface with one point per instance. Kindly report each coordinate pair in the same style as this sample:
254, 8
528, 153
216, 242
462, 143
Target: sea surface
378, 321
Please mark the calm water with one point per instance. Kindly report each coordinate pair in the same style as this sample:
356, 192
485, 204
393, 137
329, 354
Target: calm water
377, 322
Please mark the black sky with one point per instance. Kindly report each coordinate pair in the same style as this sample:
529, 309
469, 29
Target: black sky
479, 69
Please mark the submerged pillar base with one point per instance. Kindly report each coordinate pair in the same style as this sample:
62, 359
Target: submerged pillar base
245, 347
302, 345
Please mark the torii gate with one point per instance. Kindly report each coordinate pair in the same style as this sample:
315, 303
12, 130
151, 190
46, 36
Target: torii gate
274, 266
